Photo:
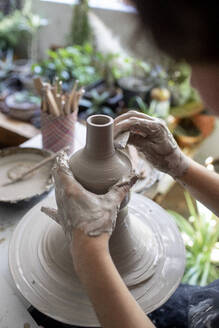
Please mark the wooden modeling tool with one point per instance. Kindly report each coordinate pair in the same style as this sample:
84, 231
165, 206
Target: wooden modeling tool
53, 108
44, 104
54, 101
72, 96
38, 85
34, 168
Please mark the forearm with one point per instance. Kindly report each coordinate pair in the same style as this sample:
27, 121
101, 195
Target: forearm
112, 301
203, 185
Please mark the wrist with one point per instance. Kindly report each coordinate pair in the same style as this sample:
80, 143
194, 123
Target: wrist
85, 249
178, 164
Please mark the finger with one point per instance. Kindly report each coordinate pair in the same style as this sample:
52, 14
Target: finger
61, 164
137, 141
120, 189
64, 177
122, 139
132, 113
52, 213
140, 126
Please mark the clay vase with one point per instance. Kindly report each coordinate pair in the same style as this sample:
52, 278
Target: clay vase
146, 246
98, 166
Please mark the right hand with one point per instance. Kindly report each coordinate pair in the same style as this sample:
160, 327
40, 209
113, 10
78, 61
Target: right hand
151, 136
81, 209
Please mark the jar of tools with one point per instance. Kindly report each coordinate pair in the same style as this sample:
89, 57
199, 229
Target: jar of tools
59, 113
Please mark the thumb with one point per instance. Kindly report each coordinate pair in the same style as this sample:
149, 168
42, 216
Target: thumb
52, 213
121, 188
121, 140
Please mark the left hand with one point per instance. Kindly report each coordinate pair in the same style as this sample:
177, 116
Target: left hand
151, 136
81, 209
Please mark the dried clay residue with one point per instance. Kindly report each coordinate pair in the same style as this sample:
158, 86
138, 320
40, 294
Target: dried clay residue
27, 325
32, 185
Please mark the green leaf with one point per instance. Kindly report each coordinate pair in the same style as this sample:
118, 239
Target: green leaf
182, 223
190, 205
204, 235
205, 274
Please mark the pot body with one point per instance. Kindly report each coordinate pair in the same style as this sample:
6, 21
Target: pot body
98, 166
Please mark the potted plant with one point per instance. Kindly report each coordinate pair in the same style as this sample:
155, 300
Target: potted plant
133, 87
137, 83
98, 105
69, 64
185, 101
22, 105
191, 130
80, 30
7, 6
156, 108
20, 25
115, 95
200, 233
9, 80
6, 65
187, 133
204, 122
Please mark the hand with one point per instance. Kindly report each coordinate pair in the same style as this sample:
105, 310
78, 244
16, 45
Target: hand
81, 209
151, 136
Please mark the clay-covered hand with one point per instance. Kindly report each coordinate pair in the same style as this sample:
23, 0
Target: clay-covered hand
81, 209
151, 136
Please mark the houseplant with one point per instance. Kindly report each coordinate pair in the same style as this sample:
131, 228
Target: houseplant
187, 133
137, 82
20, 25
80, 29
185, 100
69, 64
22, 105
98, 105
201, 235
156, 108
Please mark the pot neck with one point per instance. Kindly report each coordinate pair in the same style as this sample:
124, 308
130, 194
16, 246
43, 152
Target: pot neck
99, 139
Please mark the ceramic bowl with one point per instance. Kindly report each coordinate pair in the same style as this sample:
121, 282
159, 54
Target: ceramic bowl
14, 161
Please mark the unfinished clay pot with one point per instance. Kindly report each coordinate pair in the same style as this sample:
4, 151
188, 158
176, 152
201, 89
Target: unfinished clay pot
98, 166
146, 245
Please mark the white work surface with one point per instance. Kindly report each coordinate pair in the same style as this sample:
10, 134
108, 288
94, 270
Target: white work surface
10, 215
13, 313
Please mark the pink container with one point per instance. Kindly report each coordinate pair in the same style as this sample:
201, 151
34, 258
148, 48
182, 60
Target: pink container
58, 132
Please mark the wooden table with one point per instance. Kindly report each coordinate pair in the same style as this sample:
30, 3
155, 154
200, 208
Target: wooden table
14, 132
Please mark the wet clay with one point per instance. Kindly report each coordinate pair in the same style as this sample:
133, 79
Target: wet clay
147, 250
16, 161
79, 208
97, 167
152, 137
21, 167
145, 244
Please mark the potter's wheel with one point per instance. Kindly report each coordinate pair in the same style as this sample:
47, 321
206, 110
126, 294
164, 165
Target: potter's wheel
42, 269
